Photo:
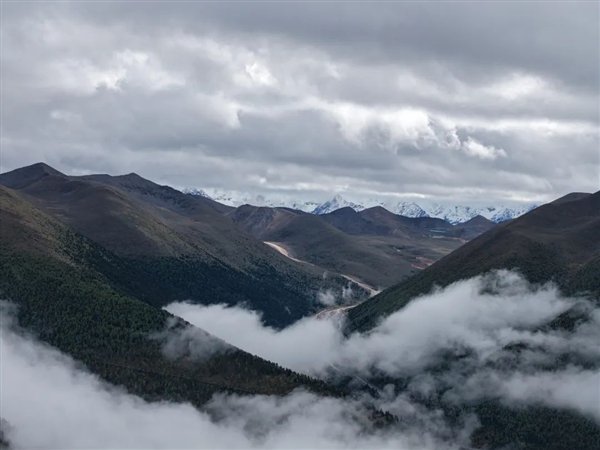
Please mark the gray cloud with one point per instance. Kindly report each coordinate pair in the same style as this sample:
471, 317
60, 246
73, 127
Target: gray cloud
458, 102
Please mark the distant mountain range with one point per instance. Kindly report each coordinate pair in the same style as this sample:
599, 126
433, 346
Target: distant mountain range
451, 213
235, 199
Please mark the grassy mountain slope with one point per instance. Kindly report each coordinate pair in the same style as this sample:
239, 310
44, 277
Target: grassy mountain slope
172, 246
351, 222
410, 226
379, 221
48, 271
311, 239
378, 250
559, 241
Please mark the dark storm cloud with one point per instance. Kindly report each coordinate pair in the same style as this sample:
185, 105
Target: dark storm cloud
456, 101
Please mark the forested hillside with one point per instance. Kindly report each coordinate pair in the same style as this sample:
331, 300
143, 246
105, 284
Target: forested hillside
50, 273
169, 246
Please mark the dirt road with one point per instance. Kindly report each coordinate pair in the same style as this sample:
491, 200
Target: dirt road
285, 252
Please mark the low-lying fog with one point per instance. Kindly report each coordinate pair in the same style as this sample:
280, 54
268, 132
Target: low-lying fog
460, 341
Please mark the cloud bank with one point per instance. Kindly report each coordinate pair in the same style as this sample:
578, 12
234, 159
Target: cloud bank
472, 327
490, 337
392, 100
179, 340
50, 401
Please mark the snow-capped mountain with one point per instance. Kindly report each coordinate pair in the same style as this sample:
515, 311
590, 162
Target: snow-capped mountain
235, 199
451, 213
407, 209
459, 213
455, 214
336, 203
502, 213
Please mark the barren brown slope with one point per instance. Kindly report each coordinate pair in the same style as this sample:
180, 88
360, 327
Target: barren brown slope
419, 227
378, 259
395, 224
559, 241
262, 222
473, 227
351, 222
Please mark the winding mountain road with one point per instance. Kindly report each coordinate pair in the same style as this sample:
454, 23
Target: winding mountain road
285, 252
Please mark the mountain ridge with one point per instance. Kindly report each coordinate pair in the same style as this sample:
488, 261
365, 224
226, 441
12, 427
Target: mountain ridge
181, 246
452, 213
373, 245
50, 273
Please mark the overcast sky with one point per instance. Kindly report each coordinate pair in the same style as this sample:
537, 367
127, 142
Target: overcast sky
463, 102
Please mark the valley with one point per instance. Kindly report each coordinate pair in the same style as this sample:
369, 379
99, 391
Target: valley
302, 225
374, 246
175, 298
281, 249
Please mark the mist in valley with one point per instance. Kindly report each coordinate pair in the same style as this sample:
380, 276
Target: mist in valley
490, 337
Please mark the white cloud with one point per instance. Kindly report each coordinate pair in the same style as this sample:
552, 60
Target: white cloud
518, 86
49, 401
260, 74
477, 317
314, 341
53, 402
182, 341
571, 388
326, 298
400, 125
473, 148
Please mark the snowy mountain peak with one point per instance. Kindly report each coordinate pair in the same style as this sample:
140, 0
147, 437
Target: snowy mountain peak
451, 213
458, 213
236, 198
408, 209
336, 203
